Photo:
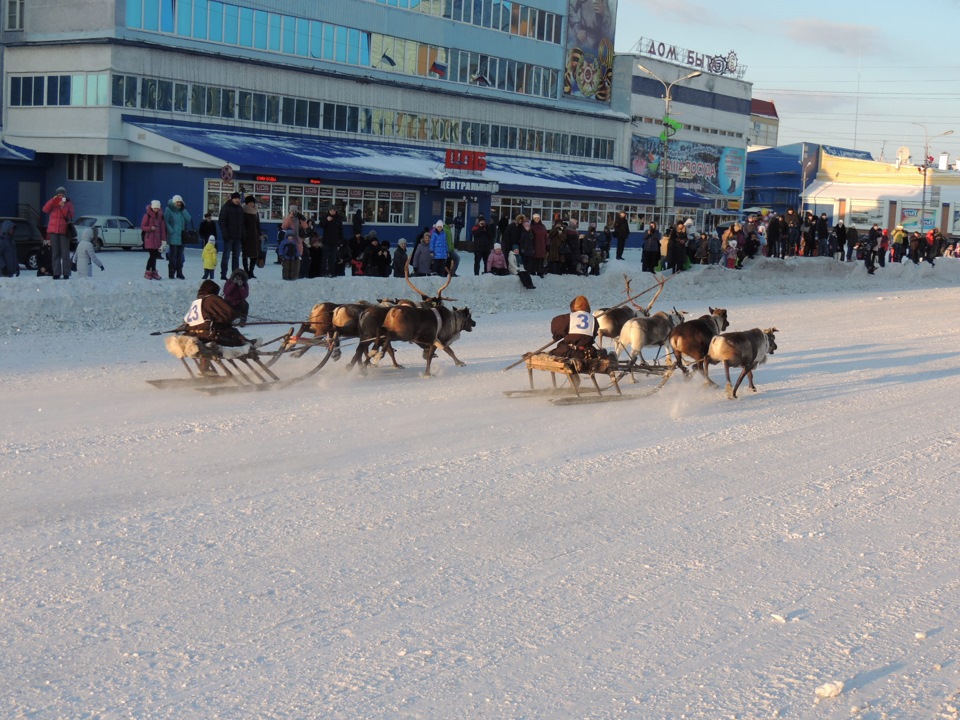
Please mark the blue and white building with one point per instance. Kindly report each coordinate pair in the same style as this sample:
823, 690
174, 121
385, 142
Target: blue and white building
408, 109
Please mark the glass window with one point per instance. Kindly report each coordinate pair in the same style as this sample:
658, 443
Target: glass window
288, 110
165, 95
77, 89
184, 16
53, 83
245, 106
216, 21
228, 100
245, 36
200, 19
116, 96
275, 23
16, 86
313, 114
231, 24
198, 100
340, 54
289, 33
213, 102
353, 119
148, 98
151, 14
179, 97
134, 15
353, 47
303, 37
328, 41
316, 39
273, 109
166, 16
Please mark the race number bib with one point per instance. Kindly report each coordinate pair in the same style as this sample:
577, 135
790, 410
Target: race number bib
581, 323
194, 315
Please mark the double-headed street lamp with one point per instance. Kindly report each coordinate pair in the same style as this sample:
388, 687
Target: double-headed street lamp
670, 127
923, 168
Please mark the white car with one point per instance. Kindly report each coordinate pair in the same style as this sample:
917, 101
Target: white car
111, 231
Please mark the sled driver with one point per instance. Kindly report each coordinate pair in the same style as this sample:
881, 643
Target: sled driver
210, 318
576, 332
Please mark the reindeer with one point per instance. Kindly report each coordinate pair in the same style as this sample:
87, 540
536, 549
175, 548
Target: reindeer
429, 327
693, 337
639, 333
745, 350
610, 321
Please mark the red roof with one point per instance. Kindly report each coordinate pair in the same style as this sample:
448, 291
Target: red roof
764, 108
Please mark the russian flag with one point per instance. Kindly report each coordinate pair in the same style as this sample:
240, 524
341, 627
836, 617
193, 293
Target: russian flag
438, 69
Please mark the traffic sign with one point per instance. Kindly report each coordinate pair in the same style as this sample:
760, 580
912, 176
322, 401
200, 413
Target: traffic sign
226, 173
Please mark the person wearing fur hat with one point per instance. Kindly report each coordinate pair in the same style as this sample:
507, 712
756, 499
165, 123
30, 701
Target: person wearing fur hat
86, 255
210, 318
575, 332
231, 230
250, 245
60, 210
177, 219
236, 291
154, 231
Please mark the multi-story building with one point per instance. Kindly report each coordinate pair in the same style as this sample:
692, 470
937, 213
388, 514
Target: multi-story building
764, 124
408, 109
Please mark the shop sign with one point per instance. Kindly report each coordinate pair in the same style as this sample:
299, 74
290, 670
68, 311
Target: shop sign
470, 160
727, 64
471, 186
266, 178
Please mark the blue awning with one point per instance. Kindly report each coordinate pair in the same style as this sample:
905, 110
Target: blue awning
349, 160
13, 152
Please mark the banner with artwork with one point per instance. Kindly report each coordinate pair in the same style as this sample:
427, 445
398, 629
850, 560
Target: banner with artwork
910, 219
588, 55
704, 169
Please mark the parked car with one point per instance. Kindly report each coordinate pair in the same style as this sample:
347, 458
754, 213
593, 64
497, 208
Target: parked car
111, 231
28, 239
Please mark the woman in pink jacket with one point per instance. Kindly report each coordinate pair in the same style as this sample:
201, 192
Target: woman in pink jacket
154, 235
60, 210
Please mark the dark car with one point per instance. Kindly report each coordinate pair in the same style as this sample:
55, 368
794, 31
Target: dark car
28, 239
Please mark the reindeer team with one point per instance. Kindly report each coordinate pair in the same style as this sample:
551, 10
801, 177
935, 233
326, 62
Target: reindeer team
432, 325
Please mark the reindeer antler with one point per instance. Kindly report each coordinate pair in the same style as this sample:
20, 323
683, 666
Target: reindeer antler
661, 280
423, 296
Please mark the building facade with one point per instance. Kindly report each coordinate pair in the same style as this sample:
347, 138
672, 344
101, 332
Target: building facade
409, 110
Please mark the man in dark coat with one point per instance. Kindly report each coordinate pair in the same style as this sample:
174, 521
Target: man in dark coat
251, 235
231, 230
482, 244
210, 317
621, 231
332, 225
358, 222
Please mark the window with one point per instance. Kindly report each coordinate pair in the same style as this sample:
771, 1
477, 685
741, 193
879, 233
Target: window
85, 168
14, 15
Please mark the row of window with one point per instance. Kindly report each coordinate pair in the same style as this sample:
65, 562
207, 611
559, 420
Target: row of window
41, 90
598, 214
230, 104
219, 22
692, 128
383, 207
504, 15
85, 168
227, 103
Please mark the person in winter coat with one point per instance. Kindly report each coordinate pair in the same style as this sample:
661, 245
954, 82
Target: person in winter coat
332, 226
290, 252
210, 318
177, 219
421, 263
85, 254
371, 258
154, 236
677, 247
399, 258
482, 244
651, 249
497, 261
438, 248
703, 249
575, 332
210, 257
621, 231
570, 246
231, 230
9, 265
775, 246
853, 237
207, 227
60, 210
555, 238
540, 233
236, 291
250, 245
358, 222
515, 267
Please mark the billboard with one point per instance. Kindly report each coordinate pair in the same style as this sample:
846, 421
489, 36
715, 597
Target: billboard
704, 169
588, 54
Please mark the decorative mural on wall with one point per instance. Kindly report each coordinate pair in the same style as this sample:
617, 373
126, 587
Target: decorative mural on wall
588, 65
704, 169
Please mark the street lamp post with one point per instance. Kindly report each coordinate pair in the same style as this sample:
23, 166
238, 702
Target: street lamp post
669, 128
924, 167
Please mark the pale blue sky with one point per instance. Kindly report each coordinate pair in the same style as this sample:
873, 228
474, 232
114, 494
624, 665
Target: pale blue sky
853, 73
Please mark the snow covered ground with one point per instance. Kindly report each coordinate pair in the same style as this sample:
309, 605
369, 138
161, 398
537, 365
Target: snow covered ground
391, 546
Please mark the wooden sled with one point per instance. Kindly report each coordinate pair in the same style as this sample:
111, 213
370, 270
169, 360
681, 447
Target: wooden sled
575, 392
217, 369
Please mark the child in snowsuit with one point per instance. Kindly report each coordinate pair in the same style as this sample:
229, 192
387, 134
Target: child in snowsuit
730, 255
236, 291
210, 257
